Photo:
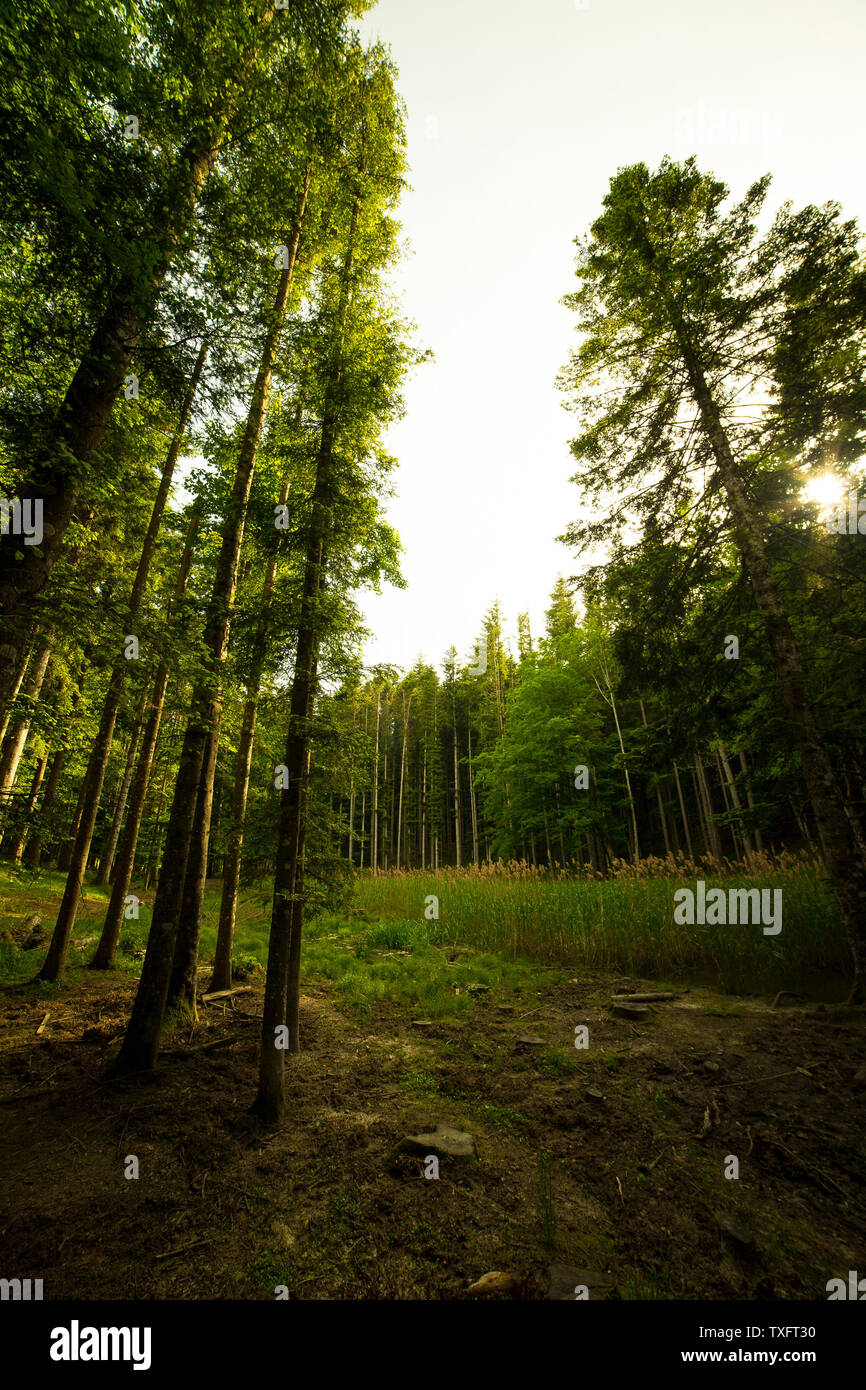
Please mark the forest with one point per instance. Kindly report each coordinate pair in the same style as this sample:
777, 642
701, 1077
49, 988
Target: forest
264, 903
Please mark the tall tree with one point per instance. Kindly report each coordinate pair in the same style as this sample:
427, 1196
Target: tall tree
681, 308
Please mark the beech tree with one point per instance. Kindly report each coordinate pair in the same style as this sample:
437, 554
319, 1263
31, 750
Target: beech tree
356, 372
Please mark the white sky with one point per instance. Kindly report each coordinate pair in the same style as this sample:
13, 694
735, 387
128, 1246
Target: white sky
519, 113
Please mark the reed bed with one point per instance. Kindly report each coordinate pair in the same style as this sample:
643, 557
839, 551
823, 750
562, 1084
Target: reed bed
567, 915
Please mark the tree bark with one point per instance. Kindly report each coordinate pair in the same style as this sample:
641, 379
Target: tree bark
141, 1043
374, 812
180, 1000
107, 853
98, 762
16, 738
282, 984
15, 685
737, 803
16, 849
222, 969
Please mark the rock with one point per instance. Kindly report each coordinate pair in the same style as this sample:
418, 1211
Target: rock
532, 1040
593, 1095
441, 1141
497, 1281
710, 1066
504, 1008
423, 1023
283, 1235
478, 989
736, 1236
564, 1279
31, 933
633, 1011
779, 1001
859, 1078
660, 1067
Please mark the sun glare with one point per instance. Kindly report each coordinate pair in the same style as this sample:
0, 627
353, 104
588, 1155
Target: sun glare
827, 490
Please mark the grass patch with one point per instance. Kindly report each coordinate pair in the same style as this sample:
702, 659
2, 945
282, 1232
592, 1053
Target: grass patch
623, 923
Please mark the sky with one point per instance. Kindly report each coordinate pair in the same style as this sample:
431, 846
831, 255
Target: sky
519, 113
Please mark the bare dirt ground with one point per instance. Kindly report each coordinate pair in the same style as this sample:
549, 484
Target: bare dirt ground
611, 1159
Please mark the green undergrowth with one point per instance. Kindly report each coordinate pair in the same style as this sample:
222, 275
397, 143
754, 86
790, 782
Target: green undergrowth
627, 924
509, 929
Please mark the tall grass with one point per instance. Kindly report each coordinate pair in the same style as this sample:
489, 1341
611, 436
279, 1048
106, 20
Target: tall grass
559, 917
626, 922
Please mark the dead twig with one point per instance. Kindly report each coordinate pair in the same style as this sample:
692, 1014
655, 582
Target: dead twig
182, 1249
226, 993
805, 1167
756, 1080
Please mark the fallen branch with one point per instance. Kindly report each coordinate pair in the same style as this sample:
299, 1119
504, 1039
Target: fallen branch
805, 1167
182, 1249
643, 998
226, 993
205, 1047
34, 1095
754, 1080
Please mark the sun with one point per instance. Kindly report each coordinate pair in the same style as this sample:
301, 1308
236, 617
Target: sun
827, 490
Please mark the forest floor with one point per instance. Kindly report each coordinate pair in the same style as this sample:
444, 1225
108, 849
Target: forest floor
611, 1159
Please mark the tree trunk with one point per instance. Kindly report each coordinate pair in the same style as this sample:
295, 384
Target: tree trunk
847, 868
17, 847
458, 828
64, 856
86, 409
95, 775
744, 768
738, 805
16, 738
661, 805
406, 705
141, 1043
222, 969
180, 1000
473, 806
15, 684
626, 773
686, 827
105, 951
374, 812
282, 985
106, 854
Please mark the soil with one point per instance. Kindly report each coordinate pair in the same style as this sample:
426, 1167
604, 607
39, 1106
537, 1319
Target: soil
612, 1159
